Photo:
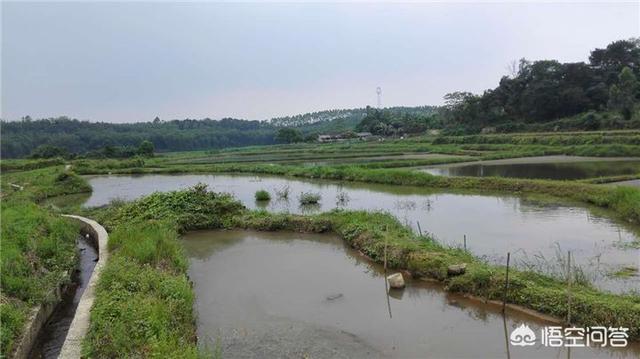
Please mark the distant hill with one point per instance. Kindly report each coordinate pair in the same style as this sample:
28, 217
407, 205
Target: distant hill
346, 115
335, 121
20, 138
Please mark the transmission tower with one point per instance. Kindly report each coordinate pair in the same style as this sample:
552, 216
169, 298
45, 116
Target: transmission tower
379, 92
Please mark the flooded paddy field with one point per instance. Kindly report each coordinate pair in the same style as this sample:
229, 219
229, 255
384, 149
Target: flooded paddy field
538, 233
547, 167
292, 295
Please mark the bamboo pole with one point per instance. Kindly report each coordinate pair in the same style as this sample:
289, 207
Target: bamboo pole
386, 285
506, 285
569, 287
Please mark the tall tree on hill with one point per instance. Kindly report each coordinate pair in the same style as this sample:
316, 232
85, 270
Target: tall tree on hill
622, 96
146, 149
289, 135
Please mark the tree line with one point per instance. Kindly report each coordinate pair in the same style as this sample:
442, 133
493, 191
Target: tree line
21, 138
547, 90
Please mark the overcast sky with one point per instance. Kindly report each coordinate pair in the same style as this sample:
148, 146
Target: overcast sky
131, 61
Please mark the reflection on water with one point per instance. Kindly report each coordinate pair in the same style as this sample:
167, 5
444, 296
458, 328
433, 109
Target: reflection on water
307, 295
536, 234
558, 170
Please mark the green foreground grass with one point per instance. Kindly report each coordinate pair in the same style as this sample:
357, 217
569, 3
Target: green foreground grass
144, 301
38, 246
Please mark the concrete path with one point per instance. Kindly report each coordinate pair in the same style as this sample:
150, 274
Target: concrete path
72, 347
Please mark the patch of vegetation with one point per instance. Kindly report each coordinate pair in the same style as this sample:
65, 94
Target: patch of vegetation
38, 246
283, 193
625, 272
26, 165
262, 195
547, 90
307, 198
144, 301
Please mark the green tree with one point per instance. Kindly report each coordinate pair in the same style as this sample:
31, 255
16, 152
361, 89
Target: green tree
289, 135
49, 151
622, 96
146, 149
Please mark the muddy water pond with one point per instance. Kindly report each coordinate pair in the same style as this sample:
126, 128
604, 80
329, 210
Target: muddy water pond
547, 167
292, 295
537, 233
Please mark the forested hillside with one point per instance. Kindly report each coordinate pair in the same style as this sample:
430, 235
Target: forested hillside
20, 138
539, 92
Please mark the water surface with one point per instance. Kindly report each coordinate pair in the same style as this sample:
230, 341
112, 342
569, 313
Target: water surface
537, 233
307, 295
562, 168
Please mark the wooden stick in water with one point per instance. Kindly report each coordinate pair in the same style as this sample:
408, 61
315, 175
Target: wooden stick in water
506, 285
569, 287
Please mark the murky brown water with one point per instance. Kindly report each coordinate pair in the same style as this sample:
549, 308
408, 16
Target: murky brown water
264, 295
538, 234
52, 337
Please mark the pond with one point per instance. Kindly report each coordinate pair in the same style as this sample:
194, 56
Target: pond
548, 167
292, 295
537, 233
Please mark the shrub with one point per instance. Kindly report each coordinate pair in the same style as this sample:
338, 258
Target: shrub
309, 198
262, 195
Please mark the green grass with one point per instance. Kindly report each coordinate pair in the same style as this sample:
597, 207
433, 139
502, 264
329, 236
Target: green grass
262, 195
389, 153
38, 246
144, 301
625, 272
307, 198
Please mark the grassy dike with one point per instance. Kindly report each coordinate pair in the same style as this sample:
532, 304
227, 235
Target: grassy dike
38, 246
144, 304
623, 201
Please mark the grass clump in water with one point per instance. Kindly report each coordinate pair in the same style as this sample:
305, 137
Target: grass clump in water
308, 198
625, 272
262, 196
283, 193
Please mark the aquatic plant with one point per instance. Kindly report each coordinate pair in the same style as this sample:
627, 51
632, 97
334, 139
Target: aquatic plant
307, 198
283, 193
262, 195
342, 198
